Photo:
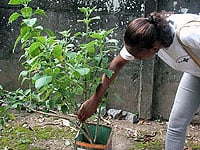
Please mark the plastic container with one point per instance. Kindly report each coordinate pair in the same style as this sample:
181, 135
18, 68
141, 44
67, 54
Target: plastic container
103, 140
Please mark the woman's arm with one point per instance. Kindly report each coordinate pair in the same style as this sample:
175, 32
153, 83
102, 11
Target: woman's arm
90, 105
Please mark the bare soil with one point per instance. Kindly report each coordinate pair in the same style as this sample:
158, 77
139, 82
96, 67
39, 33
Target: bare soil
126, 136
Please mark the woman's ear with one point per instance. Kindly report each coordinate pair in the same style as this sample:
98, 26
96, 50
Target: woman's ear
157, 45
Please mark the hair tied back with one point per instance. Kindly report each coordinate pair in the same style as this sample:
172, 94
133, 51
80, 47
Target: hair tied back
151, 20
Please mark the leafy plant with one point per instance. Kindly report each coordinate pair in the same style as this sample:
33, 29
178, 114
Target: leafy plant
10, 100
59, 70
62, 70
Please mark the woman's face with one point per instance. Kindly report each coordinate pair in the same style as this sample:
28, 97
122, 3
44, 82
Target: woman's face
144, 54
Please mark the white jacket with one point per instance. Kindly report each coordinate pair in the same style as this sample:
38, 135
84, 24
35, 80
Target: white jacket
175, 56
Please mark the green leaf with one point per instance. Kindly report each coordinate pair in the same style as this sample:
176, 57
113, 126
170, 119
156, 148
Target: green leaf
39, 28
40, 12
26, 12
56, 71
83, 71
25, 38
46, 94
30, 61
35, 45
36, 76
96, 36
17, 2
84, 10
92, 9
71, 54
13, 17
16, 104
86, 21
113, 41
28, 91
48, 71
96, 18
98, 58
78, 34
16, 42
23, 80
51, 40
24, 73
65, 33
49, 32
91, 46
30, 22
24, 30
57, 52
64, 109
14, 2
41, 39
25, 33
42, 81
34, 49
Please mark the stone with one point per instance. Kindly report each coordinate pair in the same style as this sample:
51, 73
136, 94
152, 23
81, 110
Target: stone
133, 118
114, 113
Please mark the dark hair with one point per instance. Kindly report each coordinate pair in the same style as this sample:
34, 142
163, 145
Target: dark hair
143, 32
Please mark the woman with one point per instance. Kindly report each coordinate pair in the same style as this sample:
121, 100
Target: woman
145, 37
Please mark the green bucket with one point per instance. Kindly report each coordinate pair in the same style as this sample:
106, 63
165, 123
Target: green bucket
103, 139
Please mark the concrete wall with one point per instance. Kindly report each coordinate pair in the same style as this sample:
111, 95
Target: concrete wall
147, 87
9, 62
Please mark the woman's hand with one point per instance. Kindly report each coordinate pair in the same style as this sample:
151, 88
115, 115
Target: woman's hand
88, 108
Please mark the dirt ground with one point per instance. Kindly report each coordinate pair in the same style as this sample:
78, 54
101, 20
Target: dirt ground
125, 134
147, 131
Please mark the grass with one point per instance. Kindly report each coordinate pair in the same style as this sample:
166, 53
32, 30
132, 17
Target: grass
21, 138
194, 146
151, 145
158, 145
